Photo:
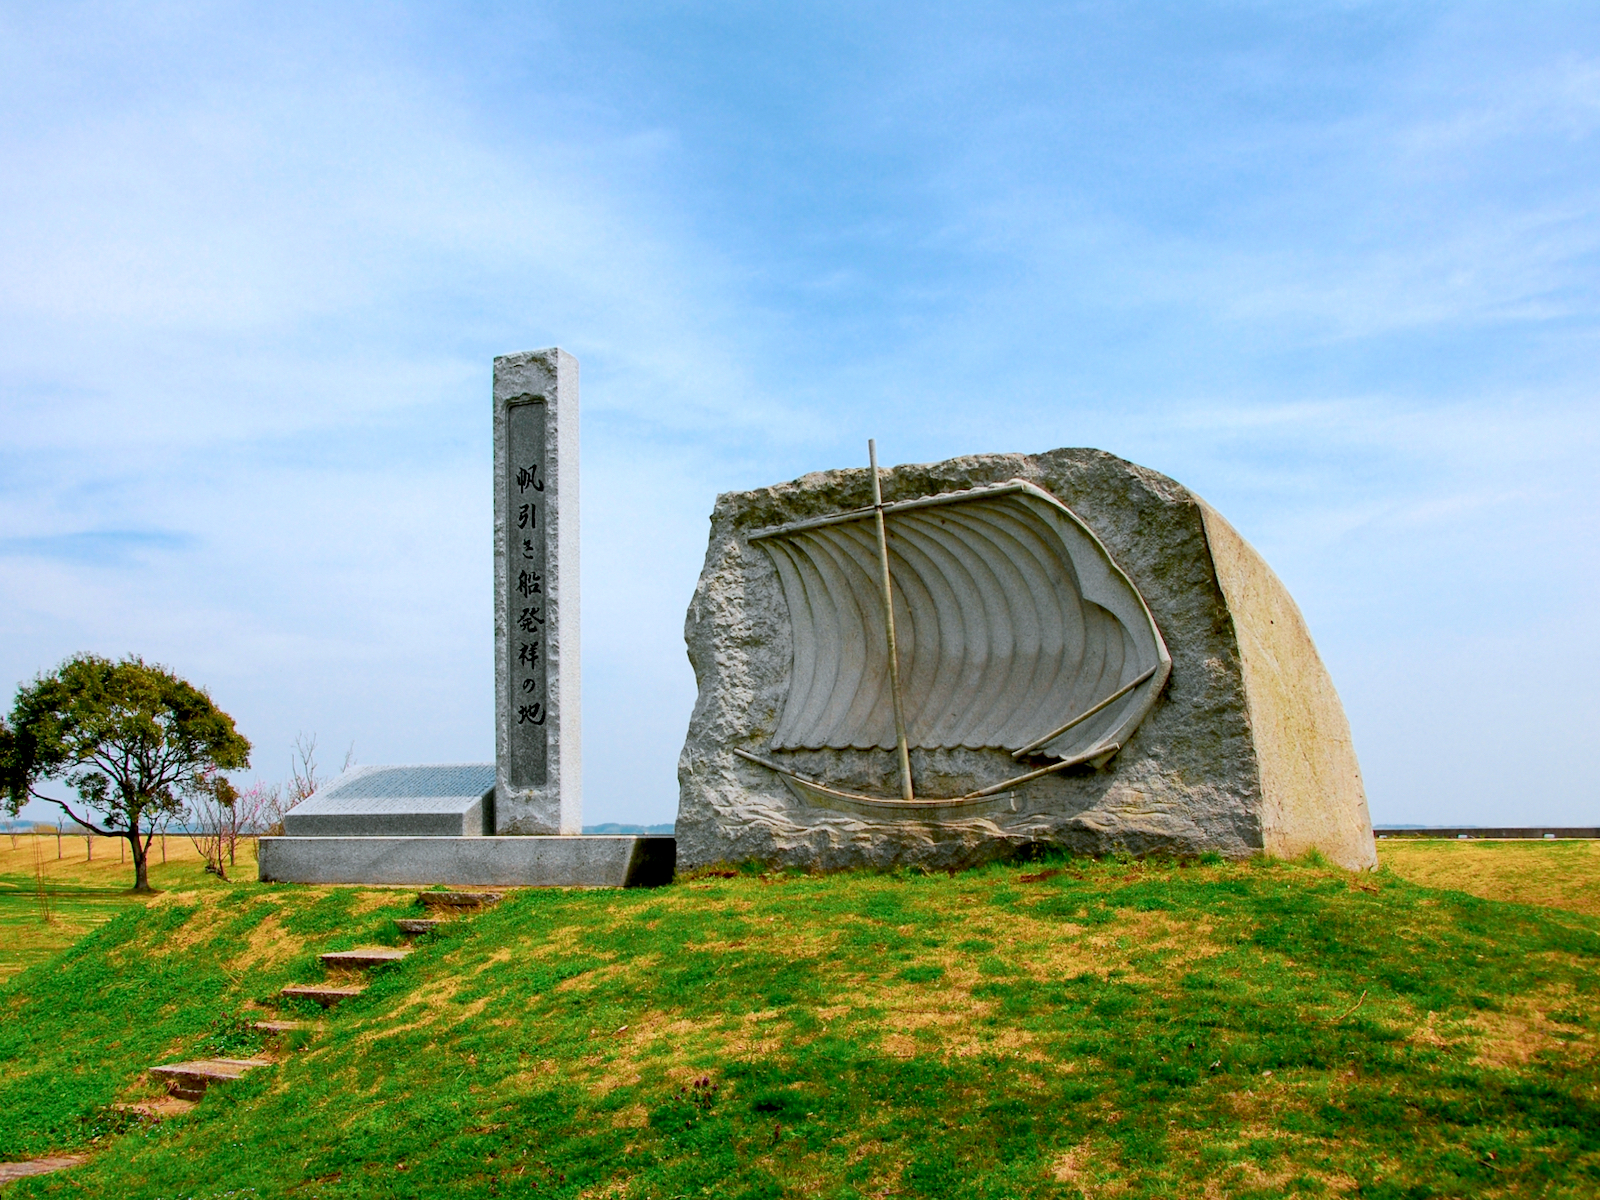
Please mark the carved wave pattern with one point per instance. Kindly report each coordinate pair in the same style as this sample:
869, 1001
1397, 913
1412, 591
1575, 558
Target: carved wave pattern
1010, 616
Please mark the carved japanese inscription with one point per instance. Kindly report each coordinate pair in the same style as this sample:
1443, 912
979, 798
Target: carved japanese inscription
526, 599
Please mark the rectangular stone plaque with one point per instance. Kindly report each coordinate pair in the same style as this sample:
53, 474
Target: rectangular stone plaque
538, 781
528, 700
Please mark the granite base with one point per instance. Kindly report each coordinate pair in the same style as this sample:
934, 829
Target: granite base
531, 861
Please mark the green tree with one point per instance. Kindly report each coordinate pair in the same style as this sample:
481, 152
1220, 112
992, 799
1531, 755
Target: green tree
133, 740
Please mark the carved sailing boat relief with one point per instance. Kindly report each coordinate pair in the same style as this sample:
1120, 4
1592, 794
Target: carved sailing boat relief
985, 618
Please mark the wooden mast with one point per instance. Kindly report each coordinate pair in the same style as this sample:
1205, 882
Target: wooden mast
906, 791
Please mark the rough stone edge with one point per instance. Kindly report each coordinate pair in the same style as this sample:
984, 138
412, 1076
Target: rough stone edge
1311, 791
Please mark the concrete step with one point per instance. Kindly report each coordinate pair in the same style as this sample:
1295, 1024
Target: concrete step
373, 956
415, 925
281, 1026
324, 994
460, 899
10, 1171
189, 1080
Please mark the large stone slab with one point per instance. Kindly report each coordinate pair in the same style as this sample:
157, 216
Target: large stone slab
516, 861
1245, 749
537, 700
437, 800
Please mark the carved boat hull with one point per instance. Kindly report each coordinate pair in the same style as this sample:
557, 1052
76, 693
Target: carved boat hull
1013, 618
1020, 633
962, 808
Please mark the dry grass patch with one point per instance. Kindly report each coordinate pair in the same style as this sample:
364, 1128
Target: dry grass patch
432, 1003
1555, 874
1523, 1029
106, 869
1093, 1167
269, 944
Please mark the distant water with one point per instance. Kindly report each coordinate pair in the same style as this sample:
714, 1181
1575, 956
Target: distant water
613, 827
175, 830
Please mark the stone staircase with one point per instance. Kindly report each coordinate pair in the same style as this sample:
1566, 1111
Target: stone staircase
189, 1080
363, 960
274, 1028
325, 994
458, 901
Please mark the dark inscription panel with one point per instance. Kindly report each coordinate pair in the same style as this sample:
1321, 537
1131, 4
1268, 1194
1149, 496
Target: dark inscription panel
525, 597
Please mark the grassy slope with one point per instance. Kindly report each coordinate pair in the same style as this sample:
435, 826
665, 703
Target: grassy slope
1108, 1029
81, 892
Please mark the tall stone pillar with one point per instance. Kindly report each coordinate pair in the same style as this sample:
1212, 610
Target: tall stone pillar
538, 779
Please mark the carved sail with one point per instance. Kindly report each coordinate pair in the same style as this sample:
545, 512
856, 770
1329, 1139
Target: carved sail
1011, 620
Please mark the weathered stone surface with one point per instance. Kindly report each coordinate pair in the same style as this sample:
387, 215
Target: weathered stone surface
326, 994
1311, 792
410, 926
12, 1171
1246, 749
437, 800
370, 956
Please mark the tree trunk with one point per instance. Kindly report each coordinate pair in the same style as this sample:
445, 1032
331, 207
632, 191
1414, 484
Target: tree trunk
141, 861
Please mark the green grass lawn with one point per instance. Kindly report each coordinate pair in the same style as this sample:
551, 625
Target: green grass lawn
80, 892
26, 937
1109, 1029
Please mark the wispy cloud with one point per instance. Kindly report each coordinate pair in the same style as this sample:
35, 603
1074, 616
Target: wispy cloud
99, 548
1331, 267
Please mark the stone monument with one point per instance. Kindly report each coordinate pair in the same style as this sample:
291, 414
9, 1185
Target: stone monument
518, 820
539, 783
957, 662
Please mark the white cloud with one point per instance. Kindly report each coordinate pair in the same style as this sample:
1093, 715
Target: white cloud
256, 262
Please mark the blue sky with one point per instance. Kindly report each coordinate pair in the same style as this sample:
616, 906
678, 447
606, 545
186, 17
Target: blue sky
1333, 266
